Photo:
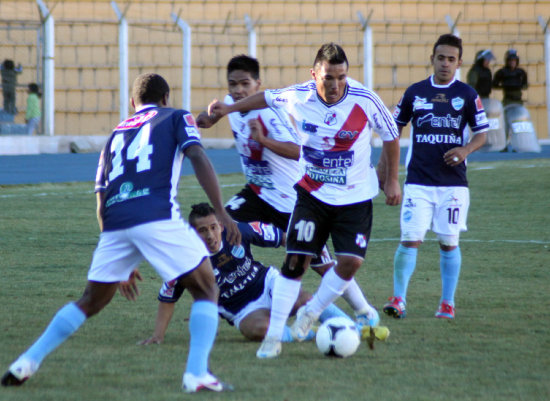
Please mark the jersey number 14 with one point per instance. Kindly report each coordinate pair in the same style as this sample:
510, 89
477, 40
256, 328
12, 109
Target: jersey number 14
139, 149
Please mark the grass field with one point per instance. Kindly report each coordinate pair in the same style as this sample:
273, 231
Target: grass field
497, 348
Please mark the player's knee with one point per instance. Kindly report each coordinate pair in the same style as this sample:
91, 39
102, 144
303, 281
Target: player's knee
448, 240
295, 266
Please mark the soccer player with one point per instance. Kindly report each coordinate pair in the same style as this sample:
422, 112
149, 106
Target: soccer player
269, 147
245, 284
435, 194
334, 194
139, 218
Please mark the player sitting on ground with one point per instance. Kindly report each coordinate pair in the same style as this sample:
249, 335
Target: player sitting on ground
245, 284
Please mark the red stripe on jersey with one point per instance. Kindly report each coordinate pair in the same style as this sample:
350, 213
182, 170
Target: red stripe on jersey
343, 140
257, 150
350, 131
255, 188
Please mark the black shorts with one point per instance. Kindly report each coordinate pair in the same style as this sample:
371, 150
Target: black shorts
246, 206
313, 221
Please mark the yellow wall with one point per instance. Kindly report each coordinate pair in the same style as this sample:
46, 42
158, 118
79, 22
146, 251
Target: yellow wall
288, 35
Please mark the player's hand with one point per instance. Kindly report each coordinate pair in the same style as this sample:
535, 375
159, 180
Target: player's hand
151, 340
392, 189
233, 234
217, 109
129, 289
255, 130
203, 120
455, 156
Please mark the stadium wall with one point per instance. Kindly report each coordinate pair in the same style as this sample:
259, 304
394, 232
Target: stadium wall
288, 35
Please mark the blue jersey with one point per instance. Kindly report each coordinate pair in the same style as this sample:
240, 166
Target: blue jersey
440, 117
240, 278
140, 167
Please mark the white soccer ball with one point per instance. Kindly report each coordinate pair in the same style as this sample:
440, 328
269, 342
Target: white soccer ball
338, 337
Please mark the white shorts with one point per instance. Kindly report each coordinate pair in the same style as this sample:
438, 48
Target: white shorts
444, 210
172, 247
263, 301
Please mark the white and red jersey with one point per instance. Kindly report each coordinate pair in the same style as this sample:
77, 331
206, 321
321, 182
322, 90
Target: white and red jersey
335, 161
270, 176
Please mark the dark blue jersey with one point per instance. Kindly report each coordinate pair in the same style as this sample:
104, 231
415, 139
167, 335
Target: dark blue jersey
140, 166
239, 277
440, 116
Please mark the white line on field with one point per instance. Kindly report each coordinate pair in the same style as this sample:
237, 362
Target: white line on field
490, 241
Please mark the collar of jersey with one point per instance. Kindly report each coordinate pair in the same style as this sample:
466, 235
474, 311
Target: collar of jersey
441, 86
145, 106
338, 102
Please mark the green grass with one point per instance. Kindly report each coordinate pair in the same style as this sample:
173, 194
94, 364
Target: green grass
497, 348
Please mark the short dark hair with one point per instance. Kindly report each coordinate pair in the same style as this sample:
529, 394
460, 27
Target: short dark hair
332, 53
9, 64
198, 210
33, 88
244, 63
450, 40
149, 88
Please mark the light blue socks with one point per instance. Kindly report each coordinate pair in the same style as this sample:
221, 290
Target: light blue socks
449, 264
404, 263
65, 322
203, 325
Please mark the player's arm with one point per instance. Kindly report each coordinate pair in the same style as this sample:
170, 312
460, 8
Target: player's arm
165, 312
455, 156
288, 150
255, 102
100, 207
208, 180
392, 189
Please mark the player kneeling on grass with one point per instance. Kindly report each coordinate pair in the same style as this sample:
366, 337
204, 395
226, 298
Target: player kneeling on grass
139, 219
245, 284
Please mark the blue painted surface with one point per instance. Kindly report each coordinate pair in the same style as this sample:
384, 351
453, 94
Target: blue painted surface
78, 167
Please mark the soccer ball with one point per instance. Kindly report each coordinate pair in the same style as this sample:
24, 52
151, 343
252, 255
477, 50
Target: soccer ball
338, 337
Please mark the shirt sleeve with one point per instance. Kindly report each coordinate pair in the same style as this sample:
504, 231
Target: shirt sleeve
187, 132
403, 111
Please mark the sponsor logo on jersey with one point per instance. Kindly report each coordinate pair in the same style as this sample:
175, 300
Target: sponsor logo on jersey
328, 142
421, 103
308, 127
361, 241
396, 112
330, 119
192, 132
447, 121
189, 120
440, 98
479, 104
280, 100
328, 167
136, 121
481, 119
458, 103
346, 134
437, 138
407, 216
126, 192
258, 172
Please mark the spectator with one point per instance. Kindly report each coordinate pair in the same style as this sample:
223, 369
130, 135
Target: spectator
480, 76
33, 113
9, 81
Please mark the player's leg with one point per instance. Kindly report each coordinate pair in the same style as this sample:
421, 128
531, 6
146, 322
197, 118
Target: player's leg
175, 250
114, 259
350, 228
449, 220
416, 217
365, 313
